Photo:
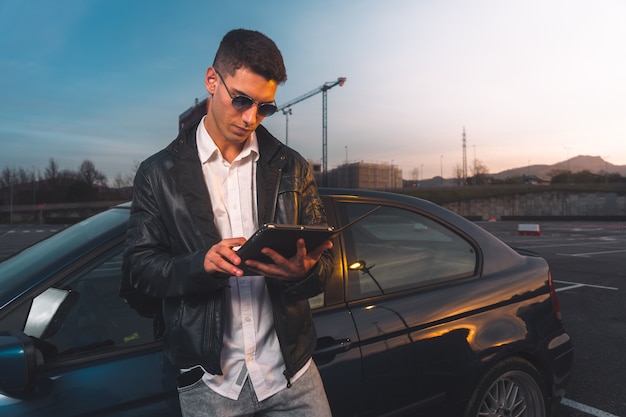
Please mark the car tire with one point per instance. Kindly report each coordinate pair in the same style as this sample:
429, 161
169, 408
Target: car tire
513, 387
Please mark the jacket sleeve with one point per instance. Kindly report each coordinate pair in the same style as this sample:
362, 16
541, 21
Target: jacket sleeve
159, 259
311, 211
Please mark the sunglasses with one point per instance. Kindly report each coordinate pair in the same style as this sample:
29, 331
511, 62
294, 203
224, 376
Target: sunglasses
242, 103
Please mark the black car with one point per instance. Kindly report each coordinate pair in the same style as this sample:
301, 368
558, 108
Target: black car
426, 314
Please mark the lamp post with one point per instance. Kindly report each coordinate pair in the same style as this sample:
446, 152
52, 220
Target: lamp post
287, 112
475, 173
11, 179
441, 168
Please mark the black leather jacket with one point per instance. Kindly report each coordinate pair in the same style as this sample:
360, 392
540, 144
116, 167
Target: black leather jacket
171, 228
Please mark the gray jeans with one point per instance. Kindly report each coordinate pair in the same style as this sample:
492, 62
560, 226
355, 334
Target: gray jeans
305, 398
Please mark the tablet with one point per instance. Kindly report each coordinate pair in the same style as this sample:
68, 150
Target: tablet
283, 237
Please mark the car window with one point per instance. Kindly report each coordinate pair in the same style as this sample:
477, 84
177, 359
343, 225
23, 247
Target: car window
84, 314
396, 249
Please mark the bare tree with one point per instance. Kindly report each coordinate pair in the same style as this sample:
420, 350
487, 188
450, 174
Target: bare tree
6, 179
122, 181
23, 177
15, 176
88, 173
480, 172
51, 173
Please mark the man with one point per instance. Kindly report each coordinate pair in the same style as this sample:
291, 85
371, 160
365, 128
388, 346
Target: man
243, 343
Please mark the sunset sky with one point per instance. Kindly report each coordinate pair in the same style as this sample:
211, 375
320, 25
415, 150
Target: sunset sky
532, 81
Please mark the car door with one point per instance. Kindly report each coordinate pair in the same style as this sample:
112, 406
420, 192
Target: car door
99, 357
399, 260
337, 355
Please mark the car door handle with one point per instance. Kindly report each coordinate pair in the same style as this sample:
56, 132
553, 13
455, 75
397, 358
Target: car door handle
328, 346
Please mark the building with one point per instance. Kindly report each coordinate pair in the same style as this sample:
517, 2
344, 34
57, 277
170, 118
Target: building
192, 113
366, 175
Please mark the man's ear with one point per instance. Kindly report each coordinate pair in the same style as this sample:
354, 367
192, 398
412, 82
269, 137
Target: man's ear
210, 80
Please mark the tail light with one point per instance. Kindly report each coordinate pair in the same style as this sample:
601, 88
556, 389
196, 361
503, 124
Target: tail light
556, 307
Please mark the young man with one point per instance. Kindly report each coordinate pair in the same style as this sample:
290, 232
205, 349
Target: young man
243, 343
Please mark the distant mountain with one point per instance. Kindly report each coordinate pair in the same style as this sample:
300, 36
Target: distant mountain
594, 164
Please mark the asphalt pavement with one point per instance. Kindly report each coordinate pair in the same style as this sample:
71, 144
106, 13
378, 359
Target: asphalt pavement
588, 263
14, 238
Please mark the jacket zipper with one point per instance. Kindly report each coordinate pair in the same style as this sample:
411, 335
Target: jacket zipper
275, 199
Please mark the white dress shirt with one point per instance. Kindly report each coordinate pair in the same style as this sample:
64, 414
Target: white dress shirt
251, 347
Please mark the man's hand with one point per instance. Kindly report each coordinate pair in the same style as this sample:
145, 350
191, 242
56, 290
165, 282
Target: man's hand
222, 258
293, 269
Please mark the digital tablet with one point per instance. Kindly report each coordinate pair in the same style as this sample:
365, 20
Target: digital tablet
283, 237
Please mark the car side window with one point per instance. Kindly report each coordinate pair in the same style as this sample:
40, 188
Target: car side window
396, 249
84, 314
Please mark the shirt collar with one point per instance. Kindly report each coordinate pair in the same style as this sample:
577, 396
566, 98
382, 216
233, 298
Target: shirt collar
207, 150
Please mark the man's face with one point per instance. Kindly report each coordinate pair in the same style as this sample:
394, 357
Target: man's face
227, 125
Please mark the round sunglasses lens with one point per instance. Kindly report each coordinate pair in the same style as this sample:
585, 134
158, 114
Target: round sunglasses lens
242, 103
267, 109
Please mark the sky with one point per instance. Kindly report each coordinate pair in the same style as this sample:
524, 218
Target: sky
530, 81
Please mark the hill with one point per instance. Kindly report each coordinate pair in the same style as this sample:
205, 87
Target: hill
594, 164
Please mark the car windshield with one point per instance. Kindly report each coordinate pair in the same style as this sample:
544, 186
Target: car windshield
27, 268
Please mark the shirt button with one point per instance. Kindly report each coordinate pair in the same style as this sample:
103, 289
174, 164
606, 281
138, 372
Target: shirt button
248, 319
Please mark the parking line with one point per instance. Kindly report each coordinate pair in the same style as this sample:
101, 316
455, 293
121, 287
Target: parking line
578, 284
586, 409
571, 287
560, 244
588, 254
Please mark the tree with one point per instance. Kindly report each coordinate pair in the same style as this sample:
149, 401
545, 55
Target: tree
88, 173
7, 178
51, 173
480, 174
122, 181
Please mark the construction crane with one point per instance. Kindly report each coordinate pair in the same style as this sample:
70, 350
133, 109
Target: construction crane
286, 109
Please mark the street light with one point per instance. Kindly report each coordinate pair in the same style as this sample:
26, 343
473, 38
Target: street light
441, 168
287, 112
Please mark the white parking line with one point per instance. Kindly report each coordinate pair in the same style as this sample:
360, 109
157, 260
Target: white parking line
578, 285
586, 409
588, 254
560, 244
571, 287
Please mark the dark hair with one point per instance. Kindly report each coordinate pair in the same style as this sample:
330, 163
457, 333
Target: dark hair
250, 49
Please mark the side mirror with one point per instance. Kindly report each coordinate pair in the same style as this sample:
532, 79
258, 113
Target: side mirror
48, 311
18, 353
18, 360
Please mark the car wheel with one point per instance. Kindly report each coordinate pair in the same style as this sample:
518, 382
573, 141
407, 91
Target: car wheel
512, 388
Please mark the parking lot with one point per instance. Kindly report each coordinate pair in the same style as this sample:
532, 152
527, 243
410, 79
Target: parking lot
14, 238
588, 262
